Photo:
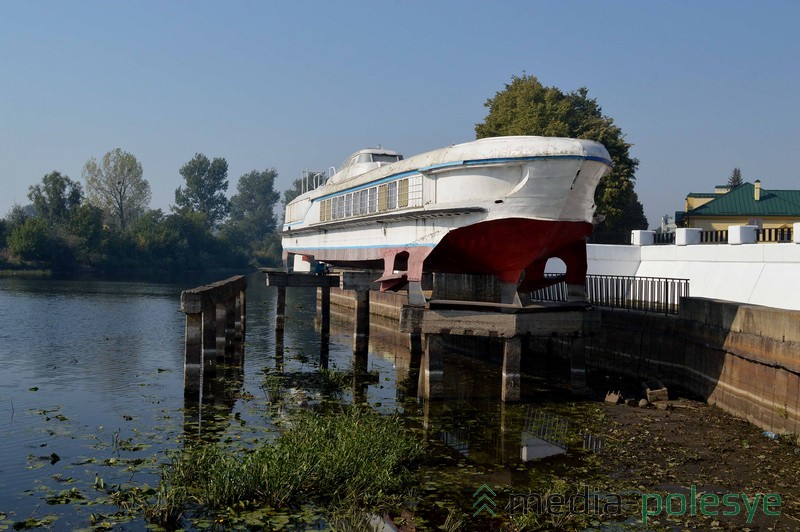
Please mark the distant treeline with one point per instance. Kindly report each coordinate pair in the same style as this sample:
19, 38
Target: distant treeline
105, 223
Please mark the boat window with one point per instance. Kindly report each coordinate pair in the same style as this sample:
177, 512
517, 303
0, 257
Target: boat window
373, 199
364, 158
382, 198
385, 158
392, 193
338, 209
402, 193
348, 205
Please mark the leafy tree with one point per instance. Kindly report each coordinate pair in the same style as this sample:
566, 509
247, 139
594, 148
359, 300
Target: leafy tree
116, 186
252, 213
55, 198
206, 183
17, 216
526, 107
736, 178
31, 240
86, 230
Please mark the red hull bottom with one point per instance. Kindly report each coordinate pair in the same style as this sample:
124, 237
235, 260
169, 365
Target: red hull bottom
515, 250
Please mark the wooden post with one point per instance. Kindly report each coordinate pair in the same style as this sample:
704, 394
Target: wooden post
512, 355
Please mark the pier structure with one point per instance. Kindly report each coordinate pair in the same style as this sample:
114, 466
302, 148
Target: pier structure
215, 331
441, 318
359, 281
509, 323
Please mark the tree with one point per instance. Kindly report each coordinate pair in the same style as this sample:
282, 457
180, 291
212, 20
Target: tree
736, 178
252, 212
17, 216
116, 186
55, 198
206, 183
31, 240
526, 107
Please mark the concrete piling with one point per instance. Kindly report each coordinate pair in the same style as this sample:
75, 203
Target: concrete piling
211, 327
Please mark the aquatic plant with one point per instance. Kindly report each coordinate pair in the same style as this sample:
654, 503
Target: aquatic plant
350, 458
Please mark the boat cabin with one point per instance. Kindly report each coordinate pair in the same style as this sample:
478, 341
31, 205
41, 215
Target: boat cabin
363, 161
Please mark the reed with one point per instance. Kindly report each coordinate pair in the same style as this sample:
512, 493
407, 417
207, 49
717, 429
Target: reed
346, 459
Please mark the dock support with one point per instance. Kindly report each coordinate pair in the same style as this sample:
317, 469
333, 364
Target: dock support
280, 308
211, 326
578, 366
431, 370
193, 355
512, 355
361, 333
325, 311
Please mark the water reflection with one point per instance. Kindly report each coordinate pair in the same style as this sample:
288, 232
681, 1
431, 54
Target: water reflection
106, 360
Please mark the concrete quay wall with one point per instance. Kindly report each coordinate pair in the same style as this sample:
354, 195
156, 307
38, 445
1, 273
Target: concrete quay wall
744, 359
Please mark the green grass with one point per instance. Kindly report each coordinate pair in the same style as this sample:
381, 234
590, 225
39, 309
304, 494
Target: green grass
351, 459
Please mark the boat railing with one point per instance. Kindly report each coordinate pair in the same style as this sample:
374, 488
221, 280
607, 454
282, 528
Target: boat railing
312, 180
650, 294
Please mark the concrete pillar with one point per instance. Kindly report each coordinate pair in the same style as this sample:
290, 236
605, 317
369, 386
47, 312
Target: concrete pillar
510, 436
193, 356
578, 366
221, 312
512, 356
280, 308
411, 384
642, 238
687, 236
742, 234
209, 344
230, 325
325, 311
361, 334
241, 301
431, 371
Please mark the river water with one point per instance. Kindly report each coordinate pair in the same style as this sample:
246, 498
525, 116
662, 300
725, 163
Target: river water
91, 394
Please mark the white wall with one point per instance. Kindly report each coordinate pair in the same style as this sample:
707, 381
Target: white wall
760, 274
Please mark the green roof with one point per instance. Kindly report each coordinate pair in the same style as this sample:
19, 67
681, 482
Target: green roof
740, 201
702, 194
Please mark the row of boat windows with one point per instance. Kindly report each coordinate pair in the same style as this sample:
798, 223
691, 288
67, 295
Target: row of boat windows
381, 198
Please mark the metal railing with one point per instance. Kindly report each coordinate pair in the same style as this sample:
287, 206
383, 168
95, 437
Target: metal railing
720, 236
775, 234
664, 238
650, 294
714, 237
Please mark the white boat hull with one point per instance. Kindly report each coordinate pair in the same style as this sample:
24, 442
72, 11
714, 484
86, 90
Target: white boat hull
499, 206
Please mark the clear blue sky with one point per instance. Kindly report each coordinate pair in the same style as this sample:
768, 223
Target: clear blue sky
698, 87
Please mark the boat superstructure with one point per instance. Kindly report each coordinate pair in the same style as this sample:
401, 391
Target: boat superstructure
500, 206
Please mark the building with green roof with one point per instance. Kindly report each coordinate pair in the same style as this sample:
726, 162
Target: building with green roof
746, 204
